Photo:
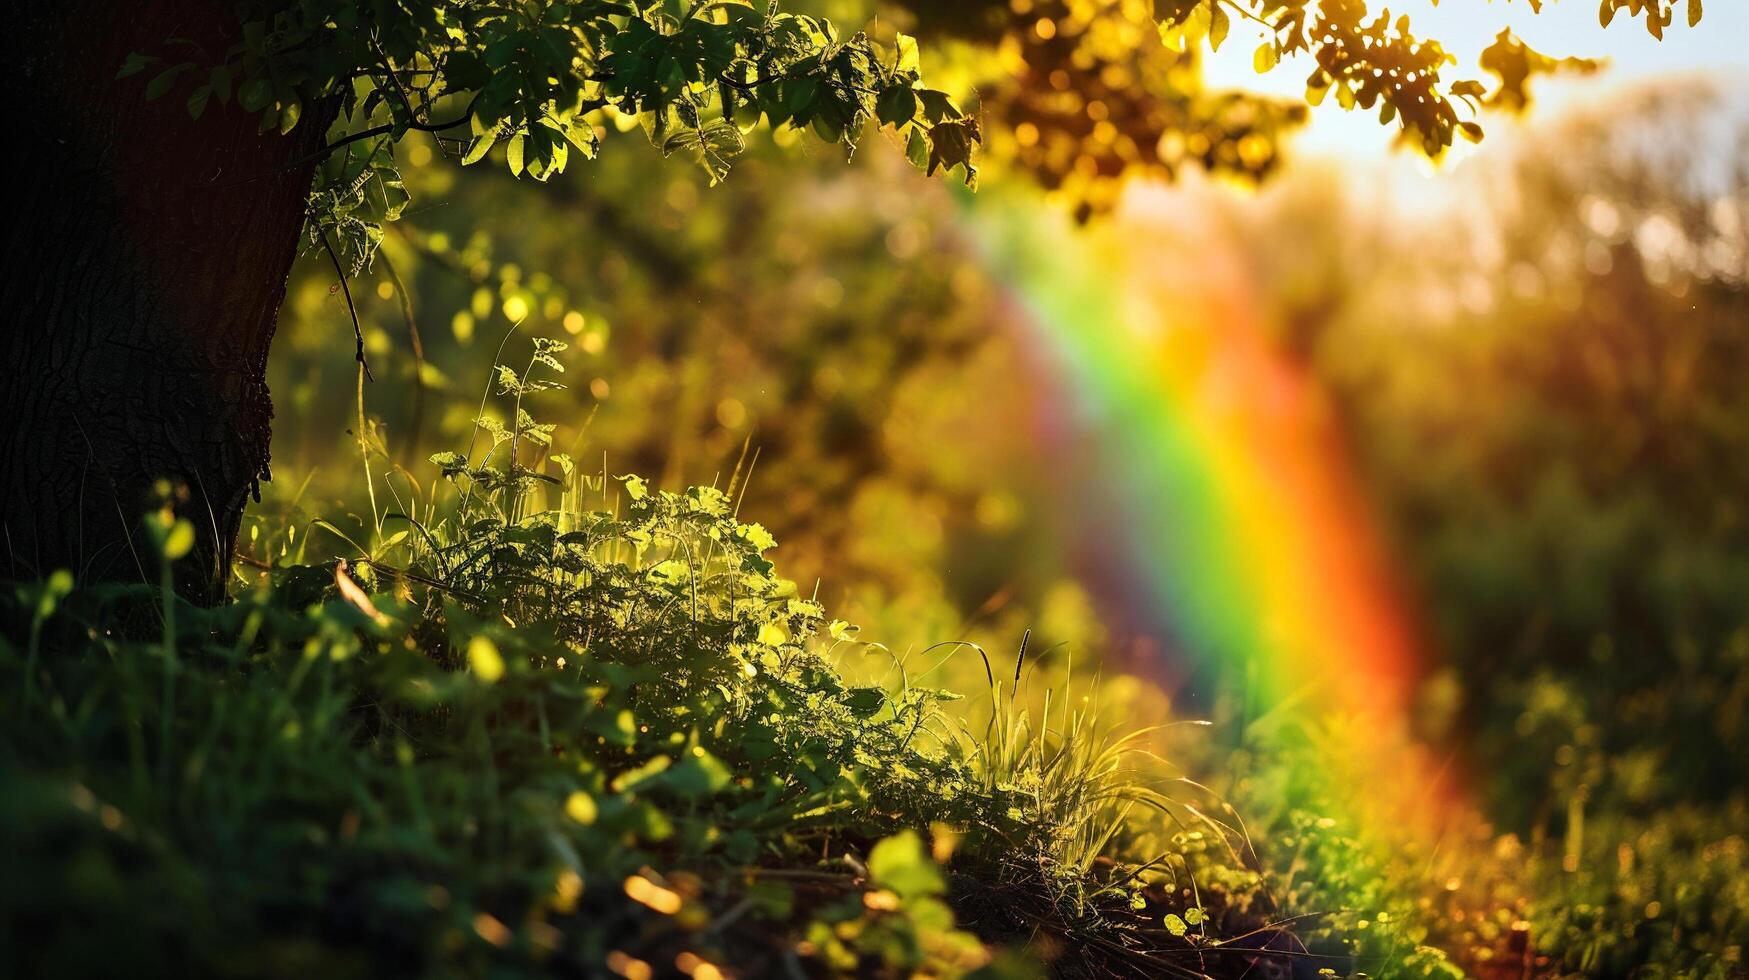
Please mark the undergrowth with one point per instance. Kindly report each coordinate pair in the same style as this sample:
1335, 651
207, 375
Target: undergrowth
548, 722
1624, 895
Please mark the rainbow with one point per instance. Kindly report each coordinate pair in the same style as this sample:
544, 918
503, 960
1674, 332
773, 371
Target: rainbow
1207, 469
1221, 523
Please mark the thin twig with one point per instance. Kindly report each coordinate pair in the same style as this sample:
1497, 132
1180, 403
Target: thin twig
345, 290
383, 130
406, 100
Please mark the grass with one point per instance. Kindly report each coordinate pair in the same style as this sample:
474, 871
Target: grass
1641, 894
544, 722
551, 722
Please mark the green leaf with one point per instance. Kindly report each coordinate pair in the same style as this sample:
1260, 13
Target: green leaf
481, 145
902, 864
513, 152
179, 541
908, 59
198, 99
255, 94
1219, 25
951, 145
464, 69
827, 129
773, 635
134, 64
937, 107
1175, 925
500, 52
289, 115
450, 463
715, 145
896, 106
917, 149
865, 701
1266, 57
220, 79
163, 81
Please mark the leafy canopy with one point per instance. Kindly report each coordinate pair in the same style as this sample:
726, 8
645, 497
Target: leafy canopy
543, 80
530, 75
1084, 93
1092, 89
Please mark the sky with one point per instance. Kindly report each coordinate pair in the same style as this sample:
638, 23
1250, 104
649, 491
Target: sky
1465, 27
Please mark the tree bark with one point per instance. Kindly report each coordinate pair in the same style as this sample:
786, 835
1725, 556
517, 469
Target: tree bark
145, 261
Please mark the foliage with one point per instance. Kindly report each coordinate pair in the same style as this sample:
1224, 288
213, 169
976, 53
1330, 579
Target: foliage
526, 732
1583, 544
1576, 549
917, 427
1091, 89
1084, 96
327, 797
543, 79
1086, 93
1665, 897
1626, 895
877, 345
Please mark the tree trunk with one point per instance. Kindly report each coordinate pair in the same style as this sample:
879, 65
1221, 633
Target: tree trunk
145, 260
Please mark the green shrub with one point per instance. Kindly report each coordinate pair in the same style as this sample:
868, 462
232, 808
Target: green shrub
535, 726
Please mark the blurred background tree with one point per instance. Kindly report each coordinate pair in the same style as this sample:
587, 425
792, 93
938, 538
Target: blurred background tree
1559, 442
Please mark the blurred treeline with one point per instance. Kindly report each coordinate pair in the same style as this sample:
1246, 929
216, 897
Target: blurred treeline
1543, 376
1545, 385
